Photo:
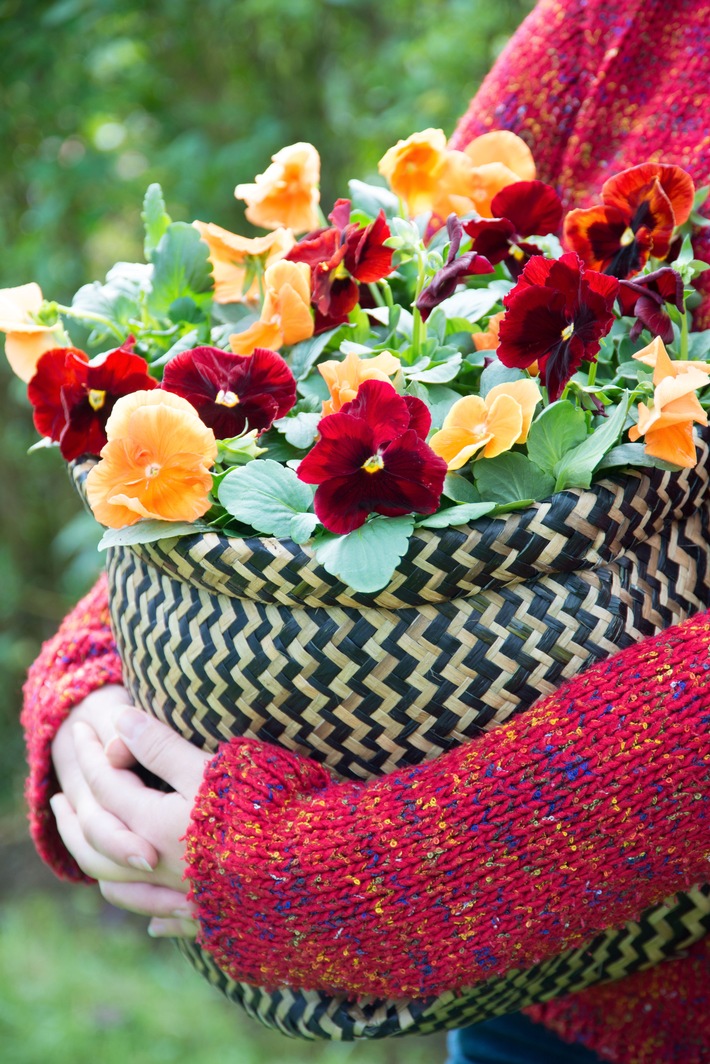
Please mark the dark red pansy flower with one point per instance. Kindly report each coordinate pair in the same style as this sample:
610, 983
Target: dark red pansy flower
73, 398
372, 458
446, 280
556, 316
521, 210
640, 209
232, 393
645, 298
341, 258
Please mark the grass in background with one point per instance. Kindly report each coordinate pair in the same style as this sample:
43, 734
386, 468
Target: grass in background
81, 982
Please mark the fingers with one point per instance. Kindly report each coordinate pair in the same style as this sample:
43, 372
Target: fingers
148, 900
159, 928
163, 751
92, 861
116, 790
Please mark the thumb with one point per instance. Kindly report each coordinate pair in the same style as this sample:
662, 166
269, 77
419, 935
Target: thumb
160, 749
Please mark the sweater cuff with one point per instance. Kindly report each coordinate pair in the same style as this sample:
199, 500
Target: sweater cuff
80, 658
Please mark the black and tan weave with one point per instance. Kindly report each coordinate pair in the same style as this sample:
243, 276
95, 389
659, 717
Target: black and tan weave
222, 637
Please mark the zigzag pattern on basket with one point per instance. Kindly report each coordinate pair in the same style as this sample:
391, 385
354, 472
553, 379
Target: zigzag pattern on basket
658, 934
223, 637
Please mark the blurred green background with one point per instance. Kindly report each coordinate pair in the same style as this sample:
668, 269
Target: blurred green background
97, 99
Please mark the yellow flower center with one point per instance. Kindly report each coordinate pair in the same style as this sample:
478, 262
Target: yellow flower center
96, 398
152, 470
627, 237
567, 331
374, 463
517, 253
226, 398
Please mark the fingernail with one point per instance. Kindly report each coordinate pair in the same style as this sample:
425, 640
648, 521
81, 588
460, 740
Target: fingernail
131, 723
140, 863
183, 914
157, 928
113, 744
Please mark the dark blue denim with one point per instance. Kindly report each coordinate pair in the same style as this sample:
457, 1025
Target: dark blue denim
513, 1039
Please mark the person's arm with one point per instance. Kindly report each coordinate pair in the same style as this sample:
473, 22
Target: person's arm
79, 660
570, 819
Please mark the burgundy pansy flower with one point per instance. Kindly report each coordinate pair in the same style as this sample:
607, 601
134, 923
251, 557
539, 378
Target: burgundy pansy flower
446, 280
645, 298
556, 316
372, 458
72, 398
641, 207
521, 210
341, 258
232, 393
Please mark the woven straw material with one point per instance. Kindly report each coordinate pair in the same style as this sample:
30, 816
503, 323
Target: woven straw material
222, 637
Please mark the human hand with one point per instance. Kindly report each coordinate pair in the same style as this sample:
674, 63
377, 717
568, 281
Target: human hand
159, 819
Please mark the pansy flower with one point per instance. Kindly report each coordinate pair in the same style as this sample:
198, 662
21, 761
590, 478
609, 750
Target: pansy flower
26, 340
446, 280
491, 425
156, 463
656, 356
489, 339
345, 377
645, 297
640, 209
287, 193
341, 258
286, 316
556, 316
232, 393
73, 398
667, 425
372, 458
234, 257
522, 210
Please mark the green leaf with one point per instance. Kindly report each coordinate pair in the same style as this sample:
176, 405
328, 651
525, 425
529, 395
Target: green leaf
149, 531
437, 372
511, 477
300, 430
302, 526
265, 495
119, 299
470, 303
632, 454
366, 559
439, 399
575, 469
557, 429
181, 267
155, 219
371, 199
303, 357
457, 515
497, 373
460, 489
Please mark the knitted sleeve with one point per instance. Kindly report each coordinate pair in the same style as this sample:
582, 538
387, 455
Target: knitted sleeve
80, 658
570, 819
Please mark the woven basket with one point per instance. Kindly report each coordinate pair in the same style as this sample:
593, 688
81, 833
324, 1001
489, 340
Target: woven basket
222, 637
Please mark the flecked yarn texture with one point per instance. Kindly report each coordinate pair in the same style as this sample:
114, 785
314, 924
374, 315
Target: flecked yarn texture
595, 87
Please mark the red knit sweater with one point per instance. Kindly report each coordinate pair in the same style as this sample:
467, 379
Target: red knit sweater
570, 819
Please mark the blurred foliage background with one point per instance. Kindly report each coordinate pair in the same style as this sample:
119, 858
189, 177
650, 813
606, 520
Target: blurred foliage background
98, 98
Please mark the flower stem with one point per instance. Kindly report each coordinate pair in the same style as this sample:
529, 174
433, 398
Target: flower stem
376, 294
88, 315
418, 326
684, 335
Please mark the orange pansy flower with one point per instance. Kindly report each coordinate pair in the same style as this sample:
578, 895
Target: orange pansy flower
287, 193
494, 423
667, 425
156, 463
499, 158
230, 255
344, 378
413, 168
488, 340
656, 356
286, 316
25, 340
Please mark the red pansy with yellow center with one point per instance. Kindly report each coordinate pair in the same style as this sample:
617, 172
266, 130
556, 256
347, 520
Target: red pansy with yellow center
372, 458
640, 209
556, 316
522, 210
232, 393
73, 398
